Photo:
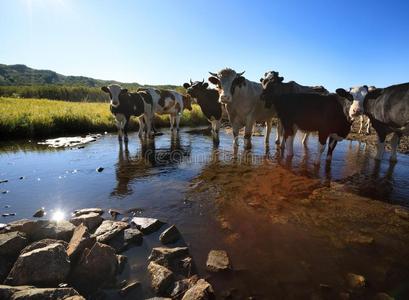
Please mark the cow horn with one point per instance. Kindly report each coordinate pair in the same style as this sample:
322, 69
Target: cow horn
191, 81
239, 74
203, 81
213, 74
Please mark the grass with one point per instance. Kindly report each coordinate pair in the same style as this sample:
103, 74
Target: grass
35, 118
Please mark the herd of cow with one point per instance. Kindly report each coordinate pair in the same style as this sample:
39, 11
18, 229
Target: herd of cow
297, 107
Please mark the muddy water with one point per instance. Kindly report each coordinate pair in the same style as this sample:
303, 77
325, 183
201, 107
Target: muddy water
292, 230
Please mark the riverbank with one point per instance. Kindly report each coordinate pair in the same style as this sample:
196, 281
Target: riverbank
39, 118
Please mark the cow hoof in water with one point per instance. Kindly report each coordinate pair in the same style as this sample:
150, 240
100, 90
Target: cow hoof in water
393, 159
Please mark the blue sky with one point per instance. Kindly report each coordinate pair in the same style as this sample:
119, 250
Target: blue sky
333, 43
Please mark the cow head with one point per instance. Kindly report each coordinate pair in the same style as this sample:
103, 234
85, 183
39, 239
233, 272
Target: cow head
347, 102
358, 93
194, 89
226, 81
187, 102
271, 76
114, 90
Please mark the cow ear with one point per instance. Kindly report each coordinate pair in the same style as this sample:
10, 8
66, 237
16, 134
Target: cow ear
205, 85
280, 79
240, 79
214, 80
341, 92
124, 91
366, 87
105, 89
261, 79
186, 85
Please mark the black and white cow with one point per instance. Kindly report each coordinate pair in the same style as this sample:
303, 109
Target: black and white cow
327, 114
388, 110
208, 100
124, 104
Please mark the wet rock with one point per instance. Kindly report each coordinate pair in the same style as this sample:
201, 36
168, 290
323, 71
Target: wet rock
100, 169
39, 213
217, 260
4, 192
3, 226
11, 243
41, 244
46, 266
5, 266
75, 298
161, 278
80, 240
181, 286
170, 235
122, 259
8, 214
85, 211
125, 239
402, 212
108, 229
21, 177
132, 235
43, 229
114, 213
3, 180
129, 288
125, 219
97, 266
91, 220
202, 290
383, 296
176, 259
6, 291
45, 293
146, 225
355, 281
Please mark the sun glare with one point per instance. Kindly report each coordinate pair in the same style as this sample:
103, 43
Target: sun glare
58, 215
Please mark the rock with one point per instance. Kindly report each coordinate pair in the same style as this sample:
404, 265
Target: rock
114, 213
97, 266
45, 293
181, 286
217, 260
344, 296
146, 225
92, 220
159, 298
43, 243
129, 287
132, 235
170, 235
202, 290
8, 214
108, 229
46, 266
100, 169
5, 267
11, 243
44, 229
39, 213
3, 180
125, 219
84, 211
80, 240
122, 259
176, 259
161, 278
402, 212
3, 226
6, 291
75, 298
355, 281
125, 239
383, 296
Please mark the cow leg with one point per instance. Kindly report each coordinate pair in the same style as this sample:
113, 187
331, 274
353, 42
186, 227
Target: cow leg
126, 125
177, 121
172, 121
394, 144
148, 125
279, 132
361, 120
215, 131
248, 131
321, 146
269, 125
141, 126
120, 119
368, 126
236, 130
305, 139
332, 143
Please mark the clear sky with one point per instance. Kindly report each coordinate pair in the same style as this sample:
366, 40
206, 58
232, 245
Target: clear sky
333, 43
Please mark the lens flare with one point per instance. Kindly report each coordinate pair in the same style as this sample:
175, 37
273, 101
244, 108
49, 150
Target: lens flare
58, 215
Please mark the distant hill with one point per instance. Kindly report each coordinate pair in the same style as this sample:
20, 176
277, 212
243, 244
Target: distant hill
21, 75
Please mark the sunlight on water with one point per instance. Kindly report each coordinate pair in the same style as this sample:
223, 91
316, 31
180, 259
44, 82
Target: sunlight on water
58, 215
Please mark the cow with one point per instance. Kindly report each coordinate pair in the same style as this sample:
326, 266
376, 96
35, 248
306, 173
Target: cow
273, 79
208, 100
169, 102
124, 104
364, 120
327, 114
388, 111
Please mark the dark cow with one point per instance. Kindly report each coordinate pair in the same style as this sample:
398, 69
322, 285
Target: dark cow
125, 104
327, 114
388, 110
208, 100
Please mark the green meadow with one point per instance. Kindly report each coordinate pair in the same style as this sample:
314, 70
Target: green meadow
39, 118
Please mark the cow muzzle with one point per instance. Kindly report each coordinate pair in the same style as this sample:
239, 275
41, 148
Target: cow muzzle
114, 104
225, 99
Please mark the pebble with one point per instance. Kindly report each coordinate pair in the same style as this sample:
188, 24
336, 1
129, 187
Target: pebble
129, 287
5, 192
355, 281
100, 169
3, 180
8, 214
39, 213
114, 213
21, 177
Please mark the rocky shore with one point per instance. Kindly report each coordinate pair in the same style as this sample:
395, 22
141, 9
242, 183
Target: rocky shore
81, 258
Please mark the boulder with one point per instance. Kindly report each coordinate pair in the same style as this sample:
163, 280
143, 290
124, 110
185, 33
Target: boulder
202, 290
41, 244
126, 238
85, 211
47, 266
122, 259
217, 260
383, 296
176, 259
146, 225
161, 278
402, 212
45, 293
6, 264
96, 267
109, 229
92, 220
11, 243
170, 235
6, 291
355, 281
129, 288
39, 213
132, 235
181, 286
80, 240
75, 298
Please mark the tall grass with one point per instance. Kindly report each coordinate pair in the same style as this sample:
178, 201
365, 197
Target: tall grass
23, 118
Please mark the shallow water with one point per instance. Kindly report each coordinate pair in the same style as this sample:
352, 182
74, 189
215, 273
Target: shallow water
183, 180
